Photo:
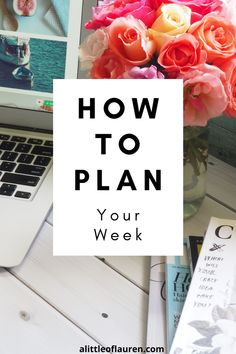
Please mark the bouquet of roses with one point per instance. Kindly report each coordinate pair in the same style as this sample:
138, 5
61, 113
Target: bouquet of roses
193, 40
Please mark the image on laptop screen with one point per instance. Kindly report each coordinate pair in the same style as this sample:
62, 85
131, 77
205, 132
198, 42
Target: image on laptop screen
38, 43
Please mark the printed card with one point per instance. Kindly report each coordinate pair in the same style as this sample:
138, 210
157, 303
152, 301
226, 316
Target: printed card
118, 173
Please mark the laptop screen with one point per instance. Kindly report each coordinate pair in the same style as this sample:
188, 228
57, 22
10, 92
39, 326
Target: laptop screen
38, 43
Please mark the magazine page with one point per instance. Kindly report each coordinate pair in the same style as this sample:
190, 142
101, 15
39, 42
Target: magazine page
209, 315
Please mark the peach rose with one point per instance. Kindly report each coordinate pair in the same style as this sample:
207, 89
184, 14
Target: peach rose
204, 94
128, 38
181, 54
216, 35
92, 48
172, 21
229, 68
108, 66
199, 8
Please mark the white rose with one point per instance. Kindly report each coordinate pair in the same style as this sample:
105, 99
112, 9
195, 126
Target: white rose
229, 10
92, 48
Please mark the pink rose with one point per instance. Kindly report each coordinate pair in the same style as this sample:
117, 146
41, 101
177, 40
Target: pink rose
128, 39
204, 94
108, 11
181, 54
108, 66
150, 72
199, 8
229, 68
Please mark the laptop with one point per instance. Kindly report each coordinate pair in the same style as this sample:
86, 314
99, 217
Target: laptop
42, 48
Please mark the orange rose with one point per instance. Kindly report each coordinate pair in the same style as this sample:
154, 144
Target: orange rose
229, 68
216, 35
128, 39
181, 54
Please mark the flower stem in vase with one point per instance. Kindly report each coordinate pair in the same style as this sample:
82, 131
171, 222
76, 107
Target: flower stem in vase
195, 168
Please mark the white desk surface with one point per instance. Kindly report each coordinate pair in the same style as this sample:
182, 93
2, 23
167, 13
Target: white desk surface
55, 304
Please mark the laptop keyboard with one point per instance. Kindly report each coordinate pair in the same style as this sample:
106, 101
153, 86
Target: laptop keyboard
24, 162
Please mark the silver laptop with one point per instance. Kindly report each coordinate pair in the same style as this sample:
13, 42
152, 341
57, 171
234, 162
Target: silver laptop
42, 48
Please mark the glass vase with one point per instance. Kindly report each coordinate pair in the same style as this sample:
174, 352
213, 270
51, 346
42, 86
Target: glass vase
195, 168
